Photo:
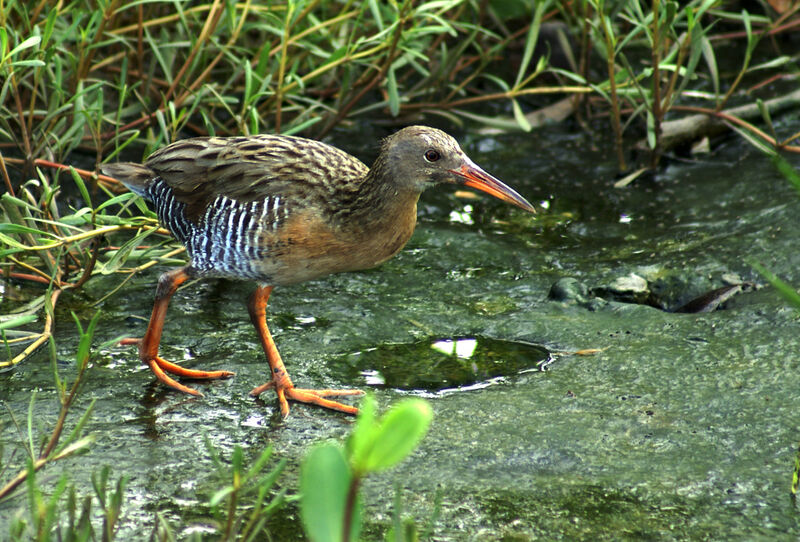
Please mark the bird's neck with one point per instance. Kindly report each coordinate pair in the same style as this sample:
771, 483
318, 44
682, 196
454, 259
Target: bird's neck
378, 211
375, 198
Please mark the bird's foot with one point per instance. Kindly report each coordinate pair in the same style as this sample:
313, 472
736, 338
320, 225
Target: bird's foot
161, 367
314, 397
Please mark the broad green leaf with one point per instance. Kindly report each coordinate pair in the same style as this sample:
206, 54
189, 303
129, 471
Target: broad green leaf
363, 433
325, 480
398, 433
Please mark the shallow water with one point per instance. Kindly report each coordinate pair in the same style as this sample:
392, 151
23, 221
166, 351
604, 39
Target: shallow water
679, 426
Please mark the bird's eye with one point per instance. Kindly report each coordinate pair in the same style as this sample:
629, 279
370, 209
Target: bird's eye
432, 155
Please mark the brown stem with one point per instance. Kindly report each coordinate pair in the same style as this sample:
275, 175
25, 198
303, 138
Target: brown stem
86, 61
349, 507
232, 508
211, 23
656, 107
736, 120
87, 270
615, 121
66, 403
390, 57
86, 174
6, 177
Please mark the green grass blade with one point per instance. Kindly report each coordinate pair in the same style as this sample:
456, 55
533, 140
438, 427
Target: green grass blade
786, 291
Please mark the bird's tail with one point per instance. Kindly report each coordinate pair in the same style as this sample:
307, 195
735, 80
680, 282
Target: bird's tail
137, 177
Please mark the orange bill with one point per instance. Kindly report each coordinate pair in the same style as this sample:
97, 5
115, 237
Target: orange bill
475, 177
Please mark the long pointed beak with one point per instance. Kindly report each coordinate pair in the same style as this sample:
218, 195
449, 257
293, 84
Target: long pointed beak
475, 177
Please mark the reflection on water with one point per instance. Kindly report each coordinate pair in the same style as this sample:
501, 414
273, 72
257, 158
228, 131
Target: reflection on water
444, 363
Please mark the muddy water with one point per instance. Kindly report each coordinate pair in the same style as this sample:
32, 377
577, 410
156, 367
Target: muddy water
669, 426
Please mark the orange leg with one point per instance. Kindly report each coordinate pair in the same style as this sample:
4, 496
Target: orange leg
168, 283
257, 307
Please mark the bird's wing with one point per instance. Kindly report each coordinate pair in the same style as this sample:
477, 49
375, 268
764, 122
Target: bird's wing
251, 168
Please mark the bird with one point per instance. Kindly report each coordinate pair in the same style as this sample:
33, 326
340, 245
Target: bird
280, 210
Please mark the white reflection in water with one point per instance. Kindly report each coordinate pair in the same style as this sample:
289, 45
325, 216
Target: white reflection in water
463, 216
463, 348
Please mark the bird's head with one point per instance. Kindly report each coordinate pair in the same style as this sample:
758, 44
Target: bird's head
419, 156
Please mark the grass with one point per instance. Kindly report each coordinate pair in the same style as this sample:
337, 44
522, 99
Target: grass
85, 83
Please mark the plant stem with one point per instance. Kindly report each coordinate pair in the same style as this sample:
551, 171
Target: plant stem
615, 119
349, 507
656, 110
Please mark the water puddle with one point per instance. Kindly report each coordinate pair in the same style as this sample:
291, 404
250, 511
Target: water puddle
446, 364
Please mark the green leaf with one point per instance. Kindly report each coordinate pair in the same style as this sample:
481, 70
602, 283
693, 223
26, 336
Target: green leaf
120, 256
762, 107
79, 446
363, 434
122, 198
75, 434
398, 433
394, 95
796, 472
788, 293
652, 137
711, 62
81, 186
85, 341
787, 171
756, 140
248, 82
28, 43
376, 14
12, 243
773, 63
28, 64
220, 495
18, 321
256, 467
519, 116
324, 483
530, 43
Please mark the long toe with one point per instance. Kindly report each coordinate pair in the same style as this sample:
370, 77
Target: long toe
161, 367
316, 397
334, 393
164, 378
177, 370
